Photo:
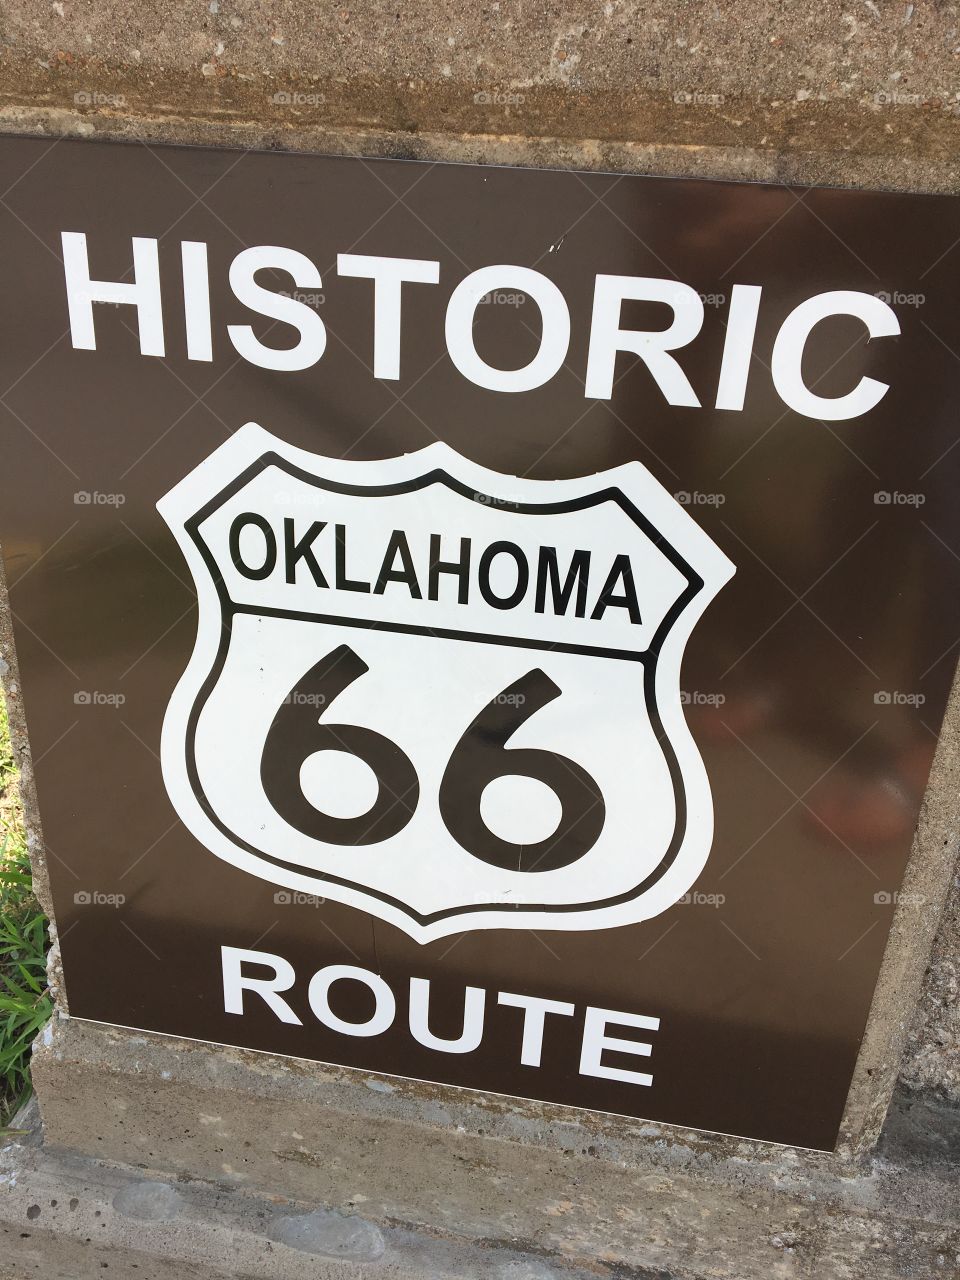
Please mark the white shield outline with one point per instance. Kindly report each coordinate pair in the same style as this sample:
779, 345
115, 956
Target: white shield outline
635, 490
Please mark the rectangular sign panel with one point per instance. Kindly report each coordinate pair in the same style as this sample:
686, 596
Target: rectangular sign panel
481, 625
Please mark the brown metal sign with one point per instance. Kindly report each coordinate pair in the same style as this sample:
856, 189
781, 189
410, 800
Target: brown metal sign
480, 625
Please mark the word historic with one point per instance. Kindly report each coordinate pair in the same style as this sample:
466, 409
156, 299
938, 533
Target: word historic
392, 277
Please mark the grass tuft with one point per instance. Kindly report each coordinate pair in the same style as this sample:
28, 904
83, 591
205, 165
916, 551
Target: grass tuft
25, 1003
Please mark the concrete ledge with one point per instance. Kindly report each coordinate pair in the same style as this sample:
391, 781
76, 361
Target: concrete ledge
800, 162
774, 73
605, 1195
69, 1218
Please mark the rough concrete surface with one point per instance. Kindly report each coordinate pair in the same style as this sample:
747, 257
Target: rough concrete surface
597, 1191
71, 1218
932, 1057
878, 77
926, 884
851, 93
433, 1207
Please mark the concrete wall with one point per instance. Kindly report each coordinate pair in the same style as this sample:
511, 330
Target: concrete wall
863, 94
778, 79
859, 93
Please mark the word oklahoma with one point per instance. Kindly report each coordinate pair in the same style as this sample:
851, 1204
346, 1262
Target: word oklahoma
393, 279
399, 565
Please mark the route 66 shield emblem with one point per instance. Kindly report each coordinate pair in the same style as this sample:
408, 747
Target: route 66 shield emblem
443, 695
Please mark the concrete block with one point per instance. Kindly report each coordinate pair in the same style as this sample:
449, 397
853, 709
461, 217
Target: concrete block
779, 75
73, 1218
454, 1203
567, 1189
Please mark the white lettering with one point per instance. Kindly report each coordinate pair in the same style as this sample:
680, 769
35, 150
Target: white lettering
595, 1040
881, 322
235, 982
738, 346
313, 334
607, 338
473, 1008
196, 300
554, 340
388, 275
318, 993
535, 1010
82, 293
516, 285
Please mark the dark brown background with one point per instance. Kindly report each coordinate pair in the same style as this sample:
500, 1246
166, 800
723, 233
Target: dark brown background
763, 999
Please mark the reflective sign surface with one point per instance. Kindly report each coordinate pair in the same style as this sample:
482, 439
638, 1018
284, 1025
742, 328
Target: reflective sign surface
487, 626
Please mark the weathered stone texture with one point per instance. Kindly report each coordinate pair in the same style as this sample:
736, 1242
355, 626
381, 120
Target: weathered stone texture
932, 1056
849, 76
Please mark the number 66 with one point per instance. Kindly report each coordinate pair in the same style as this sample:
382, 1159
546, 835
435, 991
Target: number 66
479, 757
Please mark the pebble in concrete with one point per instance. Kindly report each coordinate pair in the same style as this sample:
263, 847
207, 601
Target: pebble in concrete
148, 1201
379, 1086
333, 1235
